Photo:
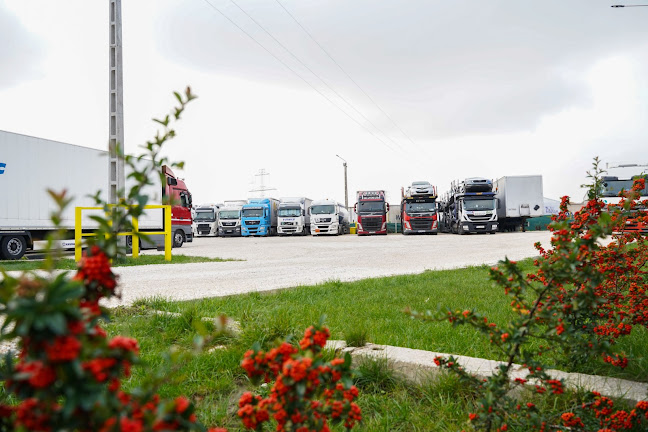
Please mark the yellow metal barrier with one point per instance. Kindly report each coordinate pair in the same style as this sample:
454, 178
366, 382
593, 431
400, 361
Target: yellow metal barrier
79, 234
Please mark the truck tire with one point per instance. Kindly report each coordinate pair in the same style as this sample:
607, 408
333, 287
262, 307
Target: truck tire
12, 247
178, 238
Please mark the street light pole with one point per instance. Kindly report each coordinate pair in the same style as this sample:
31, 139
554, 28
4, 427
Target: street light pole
346, 190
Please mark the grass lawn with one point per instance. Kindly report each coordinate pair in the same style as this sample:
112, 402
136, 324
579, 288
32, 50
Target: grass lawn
368, 309
70, 264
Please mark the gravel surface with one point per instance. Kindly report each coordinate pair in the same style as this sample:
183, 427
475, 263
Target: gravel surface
282, 262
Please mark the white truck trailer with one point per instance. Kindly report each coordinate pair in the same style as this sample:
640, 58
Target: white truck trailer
31, 166
518, 198
329, 217
294, 216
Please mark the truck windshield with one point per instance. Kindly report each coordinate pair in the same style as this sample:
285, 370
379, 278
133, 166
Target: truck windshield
612, 188
289, 212
252, 212
420, 208
202, 215
371, 207
229, 214
479, 204
323, 209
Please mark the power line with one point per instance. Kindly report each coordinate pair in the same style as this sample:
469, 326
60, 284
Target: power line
297, 74
317, 76
345, 73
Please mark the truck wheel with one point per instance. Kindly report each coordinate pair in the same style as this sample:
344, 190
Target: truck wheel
13, 247
178, 238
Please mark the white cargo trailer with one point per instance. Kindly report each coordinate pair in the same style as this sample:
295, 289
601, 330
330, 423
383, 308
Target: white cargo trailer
33, 165
519, 198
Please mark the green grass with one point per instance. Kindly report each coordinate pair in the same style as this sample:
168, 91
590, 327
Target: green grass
364, 311
367, 310
371, 310
70, 264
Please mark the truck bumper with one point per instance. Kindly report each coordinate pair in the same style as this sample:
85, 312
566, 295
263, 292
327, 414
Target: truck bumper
229, 231
479, 227
290, 229
330, 229
256, 230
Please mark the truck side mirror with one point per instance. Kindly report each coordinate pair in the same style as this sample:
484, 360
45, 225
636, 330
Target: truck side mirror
303, 212
171, 181
386, 206
355, 207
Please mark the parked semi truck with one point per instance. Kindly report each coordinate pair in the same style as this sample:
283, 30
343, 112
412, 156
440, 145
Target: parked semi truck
469, 206
32, 165
329, 217
229, 218
259, 217
294, 216
205, 220
419, 209
518, 199
612, 185
371, 209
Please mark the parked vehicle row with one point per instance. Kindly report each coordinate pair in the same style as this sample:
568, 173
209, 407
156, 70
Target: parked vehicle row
269, 217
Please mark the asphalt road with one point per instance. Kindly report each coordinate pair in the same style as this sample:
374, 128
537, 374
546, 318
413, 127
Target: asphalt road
282, 262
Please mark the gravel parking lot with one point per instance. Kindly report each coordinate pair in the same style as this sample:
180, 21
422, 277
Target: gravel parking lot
282, 262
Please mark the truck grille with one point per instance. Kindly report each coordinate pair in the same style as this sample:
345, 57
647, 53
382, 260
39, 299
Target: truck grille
252, 222
203, 229
323, 220
479, 218
421, 224
228, 223
372, 223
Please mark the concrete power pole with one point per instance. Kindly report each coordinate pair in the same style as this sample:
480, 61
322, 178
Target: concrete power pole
116, 97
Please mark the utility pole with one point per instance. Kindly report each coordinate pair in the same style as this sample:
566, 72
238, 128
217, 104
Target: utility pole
346, 189
116, 102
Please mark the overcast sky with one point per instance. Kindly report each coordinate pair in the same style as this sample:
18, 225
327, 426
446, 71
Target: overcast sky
404, 91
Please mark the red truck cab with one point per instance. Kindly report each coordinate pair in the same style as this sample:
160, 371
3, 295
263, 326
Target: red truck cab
175, 191
371, 210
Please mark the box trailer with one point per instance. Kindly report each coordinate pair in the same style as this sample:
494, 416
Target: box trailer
519, 198
34, 165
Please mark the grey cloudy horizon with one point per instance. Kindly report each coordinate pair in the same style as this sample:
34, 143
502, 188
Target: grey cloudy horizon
482, 88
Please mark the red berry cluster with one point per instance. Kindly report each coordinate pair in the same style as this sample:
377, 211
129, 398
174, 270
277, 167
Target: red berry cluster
95, 273
68, 373
307, 392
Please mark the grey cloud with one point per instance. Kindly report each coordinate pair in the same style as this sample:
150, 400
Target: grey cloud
439, 68
19, 49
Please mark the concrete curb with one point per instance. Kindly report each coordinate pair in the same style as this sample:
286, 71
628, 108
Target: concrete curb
414, 365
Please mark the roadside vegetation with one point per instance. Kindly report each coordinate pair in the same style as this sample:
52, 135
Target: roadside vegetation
369, 310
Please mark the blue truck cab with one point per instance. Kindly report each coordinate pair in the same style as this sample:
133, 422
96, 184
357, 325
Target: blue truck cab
259, 217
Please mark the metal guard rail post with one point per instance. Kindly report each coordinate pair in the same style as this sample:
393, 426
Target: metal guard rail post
79, 234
